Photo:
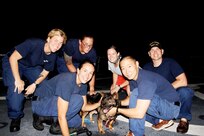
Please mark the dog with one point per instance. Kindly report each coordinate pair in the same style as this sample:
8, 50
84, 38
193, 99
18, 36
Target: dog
108, 101
90, 99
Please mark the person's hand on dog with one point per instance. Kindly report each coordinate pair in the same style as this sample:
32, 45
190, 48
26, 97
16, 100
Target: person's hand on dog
115, 89
112, 112
94, 98
92, 92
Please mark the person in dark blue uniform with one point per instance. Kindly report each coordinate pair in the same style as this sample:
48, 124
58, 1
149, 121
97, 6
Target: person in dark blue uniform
174, 73
74, 52
63, 96
152, 97
33, 59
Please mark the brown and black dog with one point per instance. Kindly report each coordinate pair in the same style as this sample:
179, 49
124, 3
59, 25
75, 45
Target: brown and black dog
108, 101
90, 99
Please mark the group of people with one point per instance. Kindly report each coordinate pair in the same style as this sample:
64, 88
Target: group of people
29, 64
157, 93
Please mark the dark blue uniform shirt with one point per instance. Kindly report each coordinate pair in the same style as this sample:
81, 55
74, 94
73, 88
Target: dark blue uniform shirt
62, 85
72, 49
169, 69
32, 51
150, 83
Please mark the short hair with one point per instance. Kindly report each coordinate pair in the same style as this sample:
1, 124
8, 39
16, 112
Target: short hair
128, 57
84, 62
58, 32
114, 47
86, 34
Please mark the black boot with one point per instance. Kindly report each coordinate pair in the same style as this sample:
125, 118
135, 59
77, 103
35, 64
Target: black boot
55, 128
201, 117
38, 122
15, 125
47, 120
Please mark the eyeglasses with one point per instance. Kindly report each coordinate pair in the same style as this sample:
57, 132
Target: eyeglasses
86, 45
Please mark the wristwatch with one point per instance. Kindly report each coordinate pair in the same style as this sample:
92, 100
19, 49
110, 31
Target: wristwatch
35, 84
120, 86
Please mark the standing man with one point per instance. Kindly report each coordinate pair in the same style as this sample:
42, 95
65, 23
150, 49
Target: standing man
74, 52
152, 97
32, 59
174, 73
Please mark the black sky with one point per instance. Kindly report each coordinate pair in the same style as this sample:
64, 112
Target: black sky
178, 26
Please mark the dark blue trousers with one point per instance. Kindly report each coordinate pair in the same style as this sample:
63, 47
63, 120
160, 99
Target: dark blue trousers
158, 109
15, 101
47, 106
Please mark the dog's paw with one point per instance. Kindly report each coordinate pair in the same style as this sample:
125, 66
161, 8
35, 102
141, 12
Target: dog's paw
91, 115
102, 131
92, 121
83, 125
111, 128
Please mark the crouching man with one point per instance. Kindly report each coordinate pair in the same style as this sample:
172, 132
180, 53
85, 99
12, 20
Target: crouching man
148, 98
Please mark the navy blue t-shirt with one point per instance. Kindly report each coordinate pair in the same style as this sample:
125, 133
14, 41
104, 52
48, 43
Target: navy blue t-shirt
150, 83
72, 49
169, 69
32, 52
62, 85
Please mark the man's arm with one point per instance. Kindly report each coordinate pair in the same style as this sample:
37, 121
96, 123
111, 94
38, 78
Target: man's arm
180, 81
138, 112
62, 110
69, 64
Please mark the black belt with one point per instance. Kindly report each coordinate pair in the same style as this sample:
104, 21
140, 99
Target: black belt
35, 98
177, 103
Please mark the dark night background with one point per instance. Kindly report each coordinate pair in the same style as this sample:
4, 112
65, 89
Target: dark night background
178, 26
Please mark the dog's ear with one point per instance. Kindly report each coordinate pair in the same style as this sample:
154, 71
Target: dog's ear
104, 98
94, 98
88, 96
97, 97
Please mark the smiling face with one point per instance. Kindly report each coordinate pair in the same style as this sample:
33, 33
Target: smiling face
129, 68
55, 43
155, 53
85, 73
56, 38
86, 44
112, 55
